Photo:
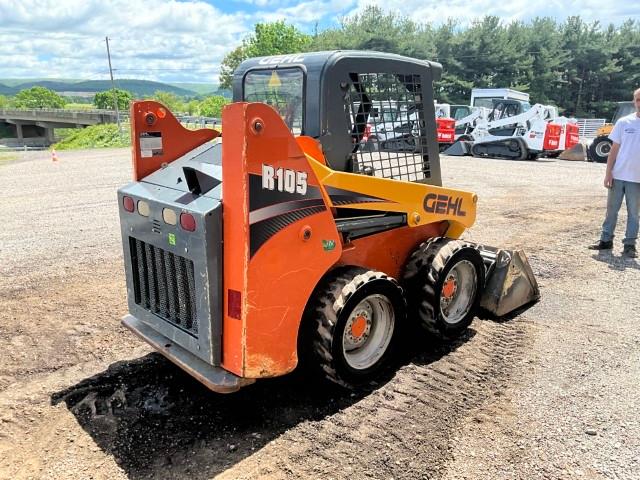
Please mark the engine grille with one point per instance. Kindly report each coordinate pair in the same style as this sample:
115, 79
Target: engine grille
164, 284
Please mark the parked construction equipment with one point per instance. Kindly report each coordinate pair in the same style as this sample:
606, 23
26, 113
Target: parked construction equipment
287, 239
601, 144
516, 130
464, 120
391, 127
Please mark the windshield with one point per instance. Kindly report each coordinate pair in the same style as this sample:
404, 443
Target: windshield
460, 111
486, 102
282, 89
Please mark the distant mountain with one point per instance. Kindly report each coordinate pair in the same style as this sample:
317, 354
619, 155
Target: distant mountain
199, 88
139, 88
6, 90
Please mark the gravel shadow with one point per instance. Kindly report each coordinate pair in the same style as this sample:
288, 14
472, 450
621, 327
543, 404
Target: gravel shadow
158, 422
616, 262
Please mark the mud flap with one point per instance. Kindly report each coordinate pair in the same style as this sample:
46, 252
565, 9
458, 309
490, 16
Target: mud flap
459, 148
510, 283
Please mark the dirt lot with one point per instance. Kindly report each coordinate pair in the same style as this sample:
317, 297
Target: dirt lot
552, 393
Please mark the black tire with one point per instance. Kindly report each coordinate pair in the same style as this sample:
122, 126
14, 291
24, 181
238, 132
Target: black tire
426, 272
599, 149
342, 357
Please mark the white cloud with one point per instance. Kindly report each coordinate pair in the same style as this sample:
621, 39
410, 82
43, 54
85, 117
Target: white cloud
437, 12
308, 12
148, 39
187, 40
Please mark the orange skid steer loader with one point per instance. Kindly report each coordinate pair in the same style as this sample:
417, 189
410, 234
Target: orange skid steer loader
289, 238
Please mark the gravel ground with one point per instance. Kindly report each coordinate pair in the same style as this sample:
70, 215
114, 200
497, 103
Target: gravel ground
549, 394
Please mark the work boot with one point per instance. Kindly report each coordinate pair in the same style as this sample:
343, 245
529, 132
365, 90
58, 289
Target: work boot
601, 245
629, 251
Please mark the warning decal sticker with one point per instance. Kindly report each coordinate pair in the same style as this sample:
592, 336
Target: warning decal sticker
150, 144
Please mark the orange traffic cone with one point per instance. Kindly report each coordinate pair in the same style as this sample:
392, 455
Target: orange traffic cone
54, 156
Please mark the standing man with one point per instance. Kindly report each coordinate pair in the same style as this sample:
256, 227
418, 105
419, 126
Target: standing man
623, 180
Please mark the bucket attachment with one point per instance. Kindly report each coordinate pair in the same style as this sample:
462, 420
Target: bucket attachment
510, 282
577, 153
459, 148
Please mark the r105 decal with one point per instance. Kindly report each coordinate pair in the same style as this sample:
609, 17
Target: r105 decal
284, 180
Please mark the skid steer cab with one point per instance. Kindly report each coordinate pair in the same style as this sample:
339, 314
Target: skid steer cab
293, 236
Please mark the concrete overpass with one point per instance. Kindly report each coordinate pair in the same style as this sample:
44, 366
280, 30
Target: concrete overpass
37, 125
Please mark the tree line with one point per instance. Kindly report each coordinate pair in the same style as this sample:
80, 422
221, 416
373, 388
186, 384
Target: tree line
582, 68
41, 97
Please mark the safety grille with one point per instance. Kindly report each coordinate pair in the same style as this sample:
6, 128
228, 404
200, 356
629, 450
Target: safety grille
387, 121
164, 284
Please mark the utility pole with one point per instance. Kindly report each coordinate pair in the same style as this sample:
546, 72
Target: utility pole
113, 85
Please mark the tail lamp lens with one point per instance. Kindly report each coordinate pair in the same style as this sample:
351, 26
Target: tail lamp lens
187, 222
169, 216
234, 304
128, 204
143, 208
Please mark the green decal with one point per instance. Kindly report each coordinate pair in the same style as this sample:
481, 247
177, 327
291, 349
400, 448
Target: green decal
328, 245
172, 239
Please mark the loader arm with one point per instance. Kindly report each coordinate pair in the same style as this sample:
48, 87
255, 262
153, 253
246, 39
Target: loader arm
422, 204
536, 112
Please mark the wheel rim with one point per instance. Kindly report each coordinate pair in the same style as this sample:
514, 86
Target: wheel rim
458, 292
603, 149
368, 332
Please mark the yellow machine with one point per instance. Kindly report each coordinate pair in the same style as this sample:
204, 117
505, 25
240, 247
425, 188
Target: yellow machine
601, 145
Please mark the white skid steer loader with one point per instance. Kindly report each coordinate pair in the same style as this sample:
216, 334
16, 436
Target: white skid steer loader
512, 130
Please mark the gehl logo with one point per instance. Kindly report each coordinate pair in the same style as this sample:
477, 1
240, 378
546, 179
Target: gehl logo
444, 205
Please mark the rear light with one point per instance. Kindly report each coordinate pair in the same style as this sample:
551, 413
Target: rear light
187, 222
234, 304
128, 204
169, 216
143, 208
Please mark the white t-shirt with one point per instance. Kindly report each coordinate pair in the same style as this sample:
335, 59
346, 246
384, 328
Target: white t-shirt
626, 132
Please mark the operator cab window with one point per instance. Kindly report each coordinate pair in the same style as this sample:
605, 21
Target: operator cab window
282, 89
394, 144
486, 102
459, 112
504, 110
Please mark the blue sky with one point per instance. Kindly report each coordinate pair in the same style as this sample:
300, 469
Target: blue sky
185, 41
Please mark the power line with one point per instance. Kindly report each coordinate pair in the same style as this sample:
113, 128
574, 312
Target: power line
115, 92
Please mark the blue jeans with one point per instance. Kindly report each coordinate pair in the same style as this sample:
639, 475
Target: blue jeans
631, 192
